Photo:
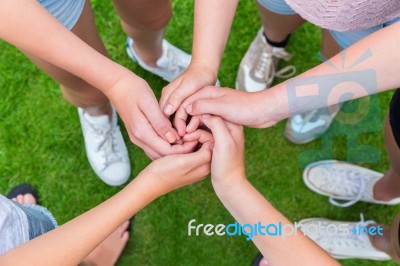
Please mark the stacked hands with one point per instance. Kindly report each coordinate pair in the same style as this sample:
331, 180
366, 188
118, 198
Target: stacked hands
159, 128
220, 151
194, 126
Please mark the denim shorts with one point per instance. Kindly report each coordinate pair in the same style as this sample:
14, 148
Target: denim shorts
66, 12
20, 223
344, 39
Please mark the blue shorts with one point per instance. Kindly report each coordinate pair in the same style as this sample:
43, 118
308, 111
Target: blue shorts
344, 39
20, 223
66, 12
40, 220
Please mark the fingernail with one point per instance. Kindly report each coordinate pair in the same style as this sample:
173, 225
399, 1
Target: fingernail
189, 109
205, 116
168, 109
170, 137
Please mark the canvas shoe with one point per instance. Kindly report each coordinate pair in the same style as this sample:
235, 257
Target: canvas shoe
105, 147
343, 181
259, 65
343, 240
170, 65
306, 127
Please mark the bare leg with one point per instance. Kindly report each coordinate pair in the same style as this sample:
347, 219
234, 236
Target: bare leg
388, 187
109, 251
276, 26
145, 21
77, 91
389, 241
329, 47
382, 243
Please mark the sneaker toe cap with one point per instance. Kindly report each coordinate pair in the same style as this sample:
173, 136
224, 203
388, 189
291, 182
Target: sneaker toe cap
245, 83
319, 179
116, 174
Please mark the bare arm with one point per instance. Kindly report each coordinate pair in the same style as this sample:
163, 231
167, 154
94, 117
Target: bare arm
248, 206
31, 28
72, 242
367, 67
212, 23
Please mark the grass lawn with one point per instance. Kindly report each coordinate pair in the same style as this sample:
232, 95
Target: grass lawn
41, 143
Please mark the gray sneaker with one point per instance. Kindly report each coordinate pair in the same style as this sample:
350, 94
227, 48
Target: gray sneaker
170, 65
259, 65
306, 127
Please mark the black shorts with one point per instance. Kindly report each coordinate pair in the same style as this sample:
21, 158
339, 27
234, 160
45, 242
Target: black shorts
394, 116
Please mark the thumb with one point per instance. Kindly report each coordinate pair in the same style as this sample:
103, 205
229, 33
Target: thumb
177, 96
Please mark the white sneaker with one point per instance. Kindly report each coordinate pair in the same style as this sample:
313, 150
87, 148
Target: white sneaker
343, 181
171, 64
105, 147
343, 240
259, 65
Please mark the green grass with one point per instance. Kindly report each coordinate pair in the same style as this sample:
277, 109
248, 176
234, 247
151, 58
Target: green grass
41, 143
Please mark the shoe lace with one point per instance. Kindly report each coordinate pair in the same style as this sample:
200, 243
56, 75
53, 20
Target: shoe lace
106, 143
308, 117
265, 66
354, 237
176, 64
351, 182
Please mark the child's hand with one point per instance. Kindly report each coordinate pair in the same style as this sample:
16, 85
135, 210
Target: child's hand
243, 108
193, 79
175, 171
146, 124
227, 165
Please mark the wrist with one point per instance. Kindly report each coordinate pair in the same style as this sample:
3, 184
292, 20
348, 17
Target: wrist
126, 81
149, 190
225, 186
135, 196
273, 105
207, 68
158, 183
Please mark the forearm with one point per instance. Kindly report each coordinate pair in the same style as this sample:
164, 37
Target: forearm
248, 206
212, 23
72, 242
365, 68
31, 28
